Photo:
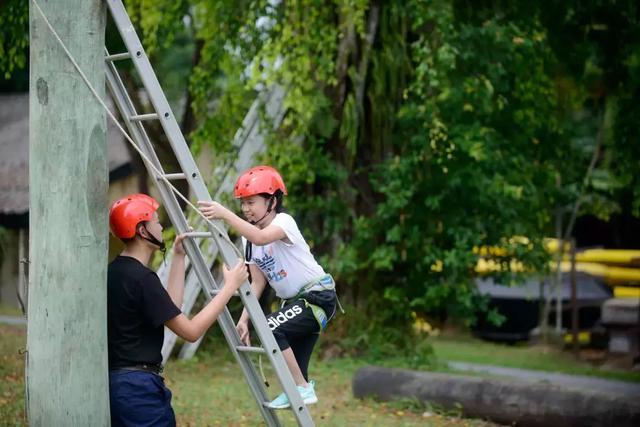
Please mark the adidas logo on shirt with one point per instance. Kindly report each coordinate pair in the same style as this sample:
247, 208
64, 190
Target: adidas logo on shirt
282, 317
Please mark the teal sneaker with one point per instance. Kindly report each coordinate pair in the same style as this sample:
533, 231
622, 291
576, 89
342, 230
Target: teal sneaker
280, 402
308, 395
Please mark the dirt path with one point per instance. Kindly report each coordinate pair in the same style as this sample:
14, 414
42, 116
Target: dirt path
13, 320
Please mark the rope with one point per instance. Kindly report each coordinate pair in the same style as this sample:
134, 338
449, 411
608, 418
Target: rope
125, 134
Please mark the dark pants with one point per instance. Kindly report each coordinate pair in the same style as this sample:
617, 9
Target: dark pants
139, 399
294, 325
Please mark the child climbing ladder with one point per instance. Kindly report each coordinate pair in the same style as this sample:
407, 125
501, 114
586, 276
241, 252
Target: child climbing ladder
278, 254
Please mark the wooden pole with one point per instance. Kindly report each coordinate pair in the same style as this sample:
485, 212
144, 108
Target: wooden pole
67, 380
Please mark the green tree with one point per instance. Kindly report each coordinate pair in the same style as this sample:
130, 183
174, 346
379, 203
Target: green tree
422, 137
417, 130
14, 36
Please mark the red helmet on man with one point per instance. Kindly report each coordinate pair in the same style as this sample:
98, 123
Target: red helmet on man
126, 213
258, 180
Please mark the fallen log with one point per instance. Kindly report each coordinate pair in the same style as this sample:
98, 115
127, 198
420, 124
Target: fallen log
503, 401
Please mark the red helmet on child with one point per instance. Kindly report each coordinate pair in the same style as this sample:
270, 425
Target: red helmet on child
126, 213
257, 180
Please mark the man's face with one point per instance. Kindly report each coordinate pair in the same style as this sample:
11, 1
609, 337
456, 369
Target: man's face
154, 227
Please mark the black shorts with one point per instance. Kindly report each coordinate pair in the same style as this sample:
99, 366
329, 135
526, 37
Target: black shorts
295, 326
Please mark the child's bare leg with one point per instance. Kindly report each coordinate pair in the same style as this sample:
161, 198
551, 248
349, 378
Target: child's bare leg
292, 363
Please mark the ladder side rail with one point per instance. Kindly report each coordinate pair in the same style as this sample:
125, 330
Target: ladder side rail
189, 348
119, 94
269, 98
262, 330
176, 216
249, 122
196, 183
158, 100
259, 321
168, 122
170, 202
136, 130
140, 137
233, 339
191, 293
247, 146
250, 144
248, 150
239, 140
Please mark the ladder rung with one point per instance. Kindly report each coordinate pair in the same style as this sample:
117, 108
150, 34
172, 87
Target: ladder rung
118, 56
198, 234
143, 117
171, 176
250, 349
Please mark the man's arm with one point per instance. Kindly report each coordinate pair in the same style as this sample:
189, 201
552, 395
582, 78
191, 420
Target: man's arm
193, 329
175, 284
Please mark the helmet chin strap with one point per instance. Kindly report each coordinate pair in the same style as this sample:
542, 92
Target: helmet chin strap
153, 240
248, 252
269, 208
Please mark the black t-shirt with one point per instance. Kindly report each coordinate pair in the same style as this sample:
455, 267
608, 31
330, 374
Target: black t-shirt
137, 307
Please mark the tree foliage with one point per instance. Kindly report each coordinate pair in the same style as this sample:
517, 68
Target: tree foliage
14, 36
417, 130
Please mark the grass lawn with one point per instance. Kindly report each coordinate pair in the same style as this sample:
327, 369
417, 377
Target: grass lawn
463, 348
9, 310
12, 340
210, 391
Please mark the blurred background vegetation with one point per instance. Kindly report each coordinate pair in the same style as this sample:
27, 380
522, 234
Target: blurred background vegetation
415, 131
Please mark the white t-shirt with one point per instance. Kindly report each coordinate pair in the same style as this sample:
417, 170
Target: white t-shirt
287, 266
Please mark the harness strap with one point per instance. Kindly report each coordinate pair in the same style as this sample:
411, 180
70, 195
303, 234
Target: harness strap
325, 283
319, 314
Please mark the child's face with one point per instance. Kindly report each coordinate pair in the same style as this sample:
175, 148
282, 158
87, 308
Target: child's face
253, 207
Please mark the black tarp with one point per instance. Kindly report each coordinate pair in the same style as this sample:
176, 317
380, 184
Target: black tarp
521, 305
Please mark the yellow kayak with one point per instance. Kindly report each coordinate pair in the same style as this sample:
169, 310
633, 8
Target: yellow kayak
626, 292
610, 274
610, 256
604, 256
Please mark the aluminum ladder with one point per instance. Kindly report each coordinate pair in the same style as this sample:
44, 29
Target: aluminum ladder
226, 250
248, 141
